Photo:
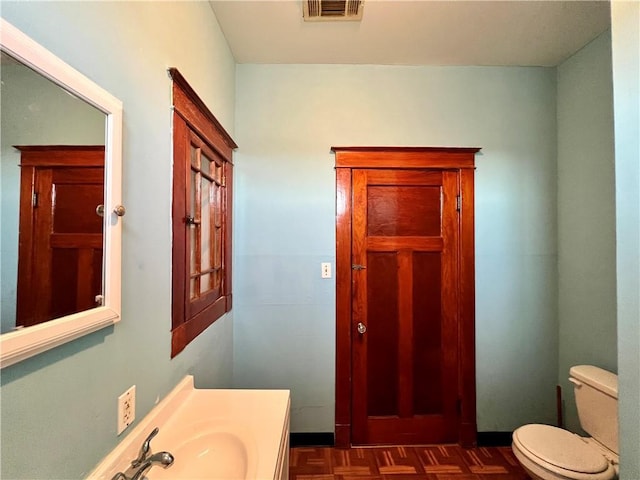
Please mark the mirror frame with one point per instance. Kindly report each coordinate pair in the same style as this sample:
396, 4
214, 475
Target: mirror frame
27, 342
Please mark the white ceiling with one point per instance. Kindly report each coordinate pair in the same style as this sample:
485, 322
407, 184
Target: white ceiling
418, 32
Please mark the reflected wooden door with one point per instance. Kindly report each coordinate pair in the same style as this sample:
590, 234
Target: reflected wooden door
60, 238
405, 307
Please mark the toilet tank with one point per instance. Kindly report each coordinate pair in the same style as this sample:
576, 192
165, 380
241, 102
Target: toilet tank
596, 392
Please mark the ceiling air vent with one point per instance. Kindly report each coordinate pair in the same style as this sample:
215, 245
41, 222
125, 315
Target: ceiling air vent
332, 10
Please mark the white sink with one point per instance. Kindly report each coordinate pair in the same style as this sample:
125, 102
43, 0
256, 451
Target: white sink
212, 434
208, 455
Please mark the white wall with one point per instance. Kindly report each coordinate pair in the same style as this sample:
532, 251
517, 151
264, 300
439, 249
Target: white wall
58, 410
586, 216
35, 111
288, 117
625, 27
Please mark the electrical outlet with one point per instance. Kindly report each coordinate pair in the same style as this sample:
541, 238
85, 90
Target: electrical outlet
126, 409
326, 270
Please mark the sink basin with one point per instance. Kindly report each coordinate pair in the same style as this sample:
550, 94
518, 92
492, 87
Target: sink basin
210, 454
213, 434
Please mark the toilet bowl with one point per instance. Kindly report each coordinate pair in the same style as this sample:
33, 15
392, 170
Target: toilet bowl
550, 453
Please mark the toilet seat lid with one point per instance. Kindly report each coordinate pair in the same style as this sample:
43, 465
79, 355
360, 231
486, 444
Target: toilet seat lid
560, 448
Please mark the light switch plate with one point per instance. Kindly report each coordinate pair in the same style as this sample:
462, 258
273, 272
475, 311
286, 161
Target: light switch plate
326, 270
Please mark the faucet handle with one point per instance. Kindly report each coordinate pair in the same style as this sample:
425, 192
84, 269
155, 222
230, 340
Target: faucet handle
144, 449
164, 459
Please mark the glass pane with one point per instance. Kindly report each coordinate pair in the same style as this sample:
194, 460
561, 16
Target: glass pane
193, 230
205, 163
205, 226
217, 216
205, 282
218, 174
382, 333
192, 192
193, 268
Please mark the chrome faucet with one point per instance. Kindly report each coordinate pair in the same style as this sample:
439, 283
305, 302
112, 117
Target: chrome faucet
145, 449
144, 462
163, 459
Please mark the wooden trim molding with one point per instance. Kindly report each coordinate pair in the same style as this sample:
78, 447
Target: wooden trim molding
405, 157
460, 160
191, 106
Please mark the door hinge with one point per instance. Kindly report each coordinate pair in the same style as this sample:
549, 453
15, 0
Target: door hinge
458, 203
34, 200
358, 267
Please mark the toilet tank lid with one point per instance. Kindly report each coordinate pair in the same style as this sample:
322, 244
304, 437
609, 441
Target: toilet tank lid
598, 378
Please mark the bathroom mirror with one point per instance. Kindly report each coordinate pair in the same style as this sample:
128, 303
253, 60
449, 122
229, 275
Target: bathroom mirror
50, 85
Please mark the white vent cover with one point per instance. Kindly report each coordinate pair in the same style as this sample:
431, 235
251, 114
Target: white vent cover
332, 10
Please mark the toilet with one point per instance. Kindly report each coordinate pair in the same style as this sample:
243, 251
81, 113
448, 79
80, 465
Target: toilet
551, 453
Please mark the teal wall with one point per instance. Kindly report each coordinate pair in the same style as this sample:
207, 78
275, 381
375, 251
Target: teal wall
625, 27
288, 117
586, 216
58, 411
60, 407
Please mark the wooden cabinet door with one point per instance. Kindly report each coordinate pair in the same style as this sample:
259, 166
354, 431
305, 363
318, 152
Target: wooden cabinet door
405, 307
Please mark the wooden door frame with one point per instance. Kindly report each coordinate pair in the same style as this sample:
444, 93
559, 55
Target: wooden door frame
450, 158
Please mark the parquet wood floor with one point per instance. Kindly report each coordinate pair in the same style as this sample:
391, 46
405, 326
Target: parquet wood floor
442, 462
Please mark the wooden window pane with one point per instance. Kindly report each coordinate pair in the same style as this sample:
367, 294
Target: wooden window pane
192, 228
194, 156
205, 164
202, 150
192, 287
217, 194
217, 263
192, 194
205, 283
205, 225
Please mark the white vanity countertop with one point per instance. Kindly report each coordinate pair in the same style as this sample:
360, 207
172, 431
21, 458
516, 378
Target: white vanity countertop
258, 417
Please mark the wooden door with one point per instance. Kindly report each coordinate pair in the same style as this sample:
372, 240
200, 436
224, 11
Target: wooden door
60, 238
405, 366
404, 249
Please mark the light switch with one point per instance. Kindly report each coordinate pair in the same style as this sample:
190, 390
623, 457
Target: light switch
326, 270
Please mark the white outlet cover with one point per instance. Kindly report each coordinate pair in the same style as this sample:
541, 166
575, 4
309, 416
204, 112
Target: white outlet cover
126, 409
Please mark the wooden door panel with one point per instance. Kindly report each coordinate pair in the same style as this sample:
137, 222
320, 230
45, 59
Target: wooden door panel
60, 232
77, 275
382, 333
403, 210
405, 364
427, 333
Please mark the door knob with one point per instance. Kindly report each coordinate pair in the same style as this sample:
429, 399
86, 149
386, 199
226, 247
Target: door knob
361, 328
